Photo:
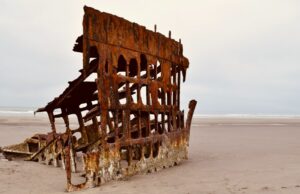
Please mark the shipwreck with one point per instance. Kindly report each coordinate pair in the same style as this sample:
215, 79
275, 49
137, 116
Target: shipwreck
130, 119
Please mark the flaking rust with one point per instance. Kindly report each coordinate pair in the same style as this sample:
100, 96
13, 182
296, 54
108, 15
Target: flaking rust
129, 117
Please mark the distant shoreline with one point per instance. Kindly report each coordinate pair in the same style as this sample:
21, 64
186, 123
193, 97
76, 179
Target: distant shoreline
27, 111
254, 116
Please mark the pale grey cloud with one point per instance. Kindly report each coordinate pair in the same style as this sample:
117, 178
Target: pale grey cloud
244, 55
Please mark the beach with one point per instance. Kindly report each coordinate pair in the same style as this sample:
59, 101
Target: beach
226, 155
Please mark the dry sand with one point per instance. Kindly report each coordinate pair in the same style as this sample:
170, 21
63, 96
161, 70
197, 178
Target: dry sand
227, 155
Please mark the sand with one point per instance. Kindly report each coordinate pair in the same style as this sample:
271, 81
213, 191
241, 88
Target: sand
227, 155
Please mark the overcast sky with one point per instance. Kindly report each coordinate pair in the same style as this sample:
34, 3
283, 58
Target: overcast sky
244, 54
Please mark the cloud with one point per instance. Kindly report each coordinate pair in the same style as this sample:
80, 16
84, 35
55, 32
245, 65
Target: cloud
244, 55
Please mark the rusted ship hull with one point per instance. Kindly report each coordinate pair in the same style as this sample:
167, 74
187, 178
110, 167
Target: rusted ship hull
129, 117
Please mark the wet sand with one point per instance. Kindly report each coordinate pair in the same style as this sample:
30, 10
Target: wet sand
226, 155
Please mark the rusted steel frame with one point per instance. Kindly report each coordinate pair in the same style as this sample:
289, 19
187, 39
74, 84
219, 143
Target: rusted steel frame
68, 167
192, 106
139, 99
94, 119
52, 121
178, 90
135, 128
174, 59
66, 119
70, 156
82, 126
169, 111
121, 51
51, 106
152, 138
91, 168
147, 132
163, 98
155, 121
60, 151
35, 155
139, 124
74, 111
116, 129
142, 107
103, 98
128, 101
114, 94
92, 113
136, 82
174, 114
155, 71
174, 89
110, 122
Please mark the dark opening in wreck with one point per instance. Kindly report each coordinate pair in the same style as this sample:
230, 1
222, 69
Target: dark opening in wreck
132, 121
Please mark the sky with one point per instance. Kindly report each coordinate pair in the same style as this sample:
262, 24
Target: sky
244, 54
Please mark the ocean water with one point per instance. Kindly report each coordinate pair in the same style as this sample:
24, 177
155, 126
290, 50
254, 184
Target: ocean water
29, 111
246, 116
17, 110
20, 111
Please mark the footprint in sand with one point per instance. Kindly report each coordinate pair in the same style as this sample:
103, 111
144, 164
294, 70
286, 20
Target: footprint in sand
296, 186
265, 188
7, 171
